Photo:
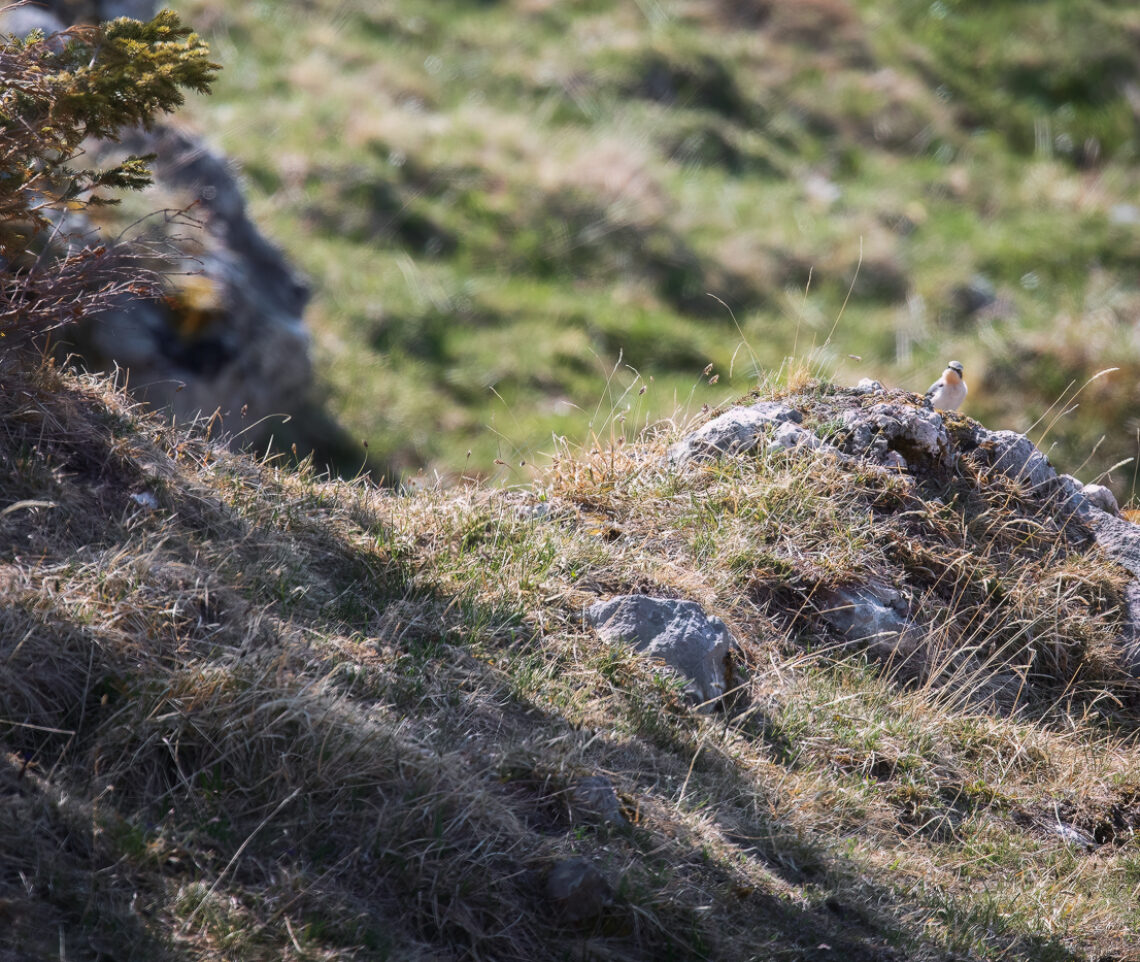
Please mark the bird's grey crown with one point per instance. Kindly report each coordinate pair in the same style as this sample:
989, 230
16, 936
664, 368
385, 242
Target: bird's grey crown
956, 366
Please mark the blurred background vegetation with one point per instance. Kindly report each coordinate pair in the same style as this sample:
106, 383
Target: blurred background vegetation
514, 213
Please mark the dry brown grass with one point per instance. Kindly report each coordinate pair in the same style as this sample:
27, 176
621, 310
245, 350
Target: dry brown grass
277, 717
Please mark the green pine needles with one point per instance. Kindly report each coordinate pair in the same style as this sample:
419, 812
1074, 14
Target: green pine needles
55, 92
87, 82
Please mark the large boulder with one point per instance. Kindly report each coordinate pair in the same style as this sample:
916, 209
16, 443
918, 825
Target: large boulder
231, 334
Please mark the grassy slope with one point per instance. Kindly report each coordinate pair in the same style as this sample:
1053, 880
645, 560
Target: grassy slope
497, 201
277, 718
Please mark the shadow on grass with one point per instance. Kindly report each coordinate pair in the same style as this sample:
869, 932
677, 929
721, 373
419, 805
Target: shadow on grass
295, 764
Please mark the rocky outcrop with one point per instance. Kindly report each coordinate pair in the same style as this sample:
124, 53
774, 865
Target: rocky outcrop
679, 633
1119, 540
229, 334
899, 433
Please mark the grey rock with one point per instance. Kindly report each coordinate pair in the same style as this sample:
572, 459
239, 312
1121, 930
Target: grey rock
1101, 497
789, 436
1120, 540
1087, 506
1070, 487
867, 385
1072, 835
145, 500
577, 891
1130, 642
678, 633
892, 459
916, 434
872, 615
594, 796
1015, 456
250, 357
737, 431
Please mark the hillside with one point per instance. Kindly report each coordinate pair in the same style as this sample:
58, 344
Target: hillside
250, 714
512, 212
748, 663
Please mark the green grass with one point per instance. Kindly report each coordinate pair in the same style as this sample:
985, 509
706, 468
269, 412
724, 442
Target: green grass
497, 202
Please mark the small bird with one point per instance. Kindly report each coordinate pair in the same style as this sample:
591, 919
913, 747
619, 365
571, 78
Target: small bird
949, 391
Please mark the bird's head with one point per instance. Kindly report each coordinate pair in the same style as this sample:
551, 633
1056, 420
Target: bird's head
956, 367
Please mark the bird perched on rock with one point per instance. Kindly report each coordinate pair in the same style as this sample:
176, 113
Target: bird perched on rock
948, 391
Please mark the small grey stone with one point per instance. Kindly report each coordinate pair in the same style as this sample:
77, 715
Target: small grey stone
1072, 835
1015, 456
1101, 497
145, 500
874, 615
577, 890
594, 795
867, 385
678, 633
